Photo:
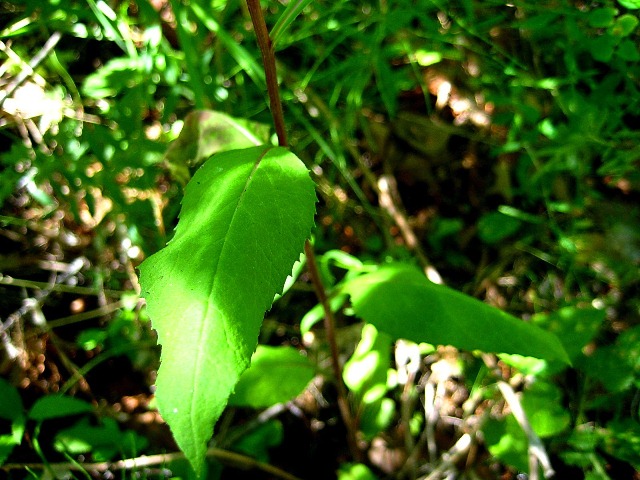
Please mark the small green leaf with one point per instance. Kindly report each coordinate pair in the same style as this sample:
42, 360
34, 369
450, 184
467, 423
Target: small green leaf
623, 441
206, 132
366, 371
506, 441
56, 406
630, 4
496, 226
602, 47
257, 443
574, 327
399, 300
628, 51
616, 366
366, 375
103, 441
602, 17
10, 409
244, 219
376, 417
276, 375
426, 58
11, 404
625, 25
542, 403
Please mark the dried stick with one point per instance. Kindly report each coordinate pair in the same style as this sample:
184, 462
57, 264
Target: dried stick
537, 453
224, 456
32, 65
451, 457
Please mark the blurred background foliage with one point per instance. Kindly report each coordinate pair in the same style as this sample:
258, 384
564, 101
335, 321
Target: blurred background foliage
495, 143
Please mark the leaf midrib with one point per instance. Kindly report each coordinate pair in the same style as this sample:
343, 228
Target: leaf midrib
199, 353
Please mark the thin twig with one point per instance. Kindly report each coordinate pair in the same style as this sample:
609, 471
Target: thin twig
269, 60
451, 457
537, 453
224, 456
33, 64
35, 302
389, 200
329, 326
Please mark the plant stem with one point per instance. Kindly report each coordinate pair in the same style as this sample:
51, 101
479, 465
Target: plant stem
269, 61
329, 326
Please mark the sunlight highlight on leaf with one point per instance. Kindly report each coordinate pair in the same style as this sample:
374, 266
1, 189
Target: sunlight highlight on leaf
244, 219
399, 300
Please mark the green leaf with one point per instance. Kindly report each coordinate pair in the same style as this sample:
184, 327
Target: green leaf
623, 441
366, 374
366, 371
206, 132
257, 443
244, 219
11, 404
399, 300
387, 84
602, 47
276, 375
103, 441
56, 406
10, 409
616, 366
630, 4
117, 75
376, 417
625, 25
602, 17
574, 327
286, 19
506, 441
542, 403
628, 51
496, 226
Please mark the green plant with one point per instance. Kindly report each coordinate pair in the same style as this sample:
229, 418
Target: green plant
245, 215
488, 144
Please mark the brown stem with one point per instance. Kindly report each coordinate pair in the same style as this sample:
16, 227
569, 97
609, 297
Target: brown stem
269, 61
329, 326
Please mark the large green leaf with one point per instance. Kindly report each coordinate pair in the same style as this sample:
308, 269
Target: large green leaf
399, 300
244, 219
